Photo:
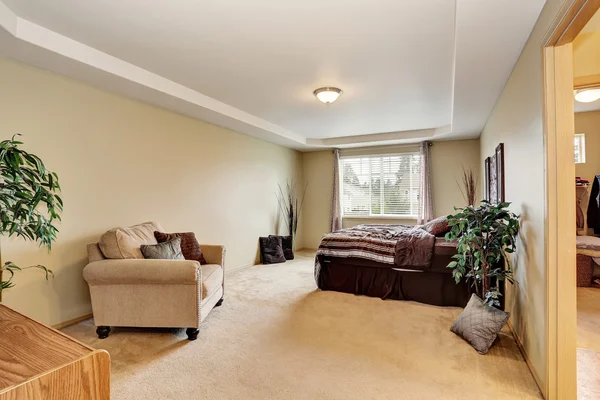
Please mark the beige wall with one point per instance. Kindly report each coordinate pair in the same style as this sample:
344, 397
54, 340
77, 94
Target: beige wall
589, 123
586, 54
517, 122
317, 170
121, 162
447, 162
448, 159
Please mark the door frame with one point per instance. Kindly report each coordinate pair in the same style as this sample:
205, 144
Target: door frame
560, 235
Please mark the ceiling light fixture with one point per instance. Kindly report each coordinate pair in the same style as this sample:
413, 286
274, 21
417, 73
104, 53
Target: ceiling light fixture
328, 95
587, 95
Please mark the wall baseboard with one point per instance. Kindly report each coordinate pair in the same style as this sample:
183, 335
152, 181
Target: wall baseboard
229, 271
536, 378
62, 325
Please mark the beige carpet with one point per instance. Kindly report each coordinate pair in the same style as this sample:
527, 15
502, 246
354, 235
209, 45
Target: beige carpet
277, 337
588, 341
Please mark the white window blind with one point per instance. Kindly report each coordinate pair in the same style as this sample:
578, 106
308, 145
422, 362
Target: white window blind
580, 148
385, 185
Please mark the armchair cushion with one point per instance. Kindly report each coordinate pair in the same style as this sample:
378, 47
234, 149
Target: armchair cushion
170, 250
189, 245
120, 243
133, 271
212, 279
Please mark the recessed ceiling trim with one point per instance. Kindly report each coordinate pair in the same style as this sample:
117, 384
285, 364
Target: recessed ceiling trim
418, 134
8, 19
46, 39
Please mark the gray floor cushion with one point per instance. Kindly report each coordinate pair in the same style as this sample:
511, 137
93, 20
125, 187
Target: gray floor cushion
479, 324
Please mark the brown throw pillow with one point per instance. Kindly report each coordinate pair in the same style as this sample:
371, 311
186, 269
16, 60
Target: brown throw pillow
437, 227
189, 245
170, 250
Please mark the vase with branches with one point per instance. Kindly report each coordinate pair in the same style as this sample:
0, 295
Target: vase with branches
290, 203
29, 204
468, 186
485, 236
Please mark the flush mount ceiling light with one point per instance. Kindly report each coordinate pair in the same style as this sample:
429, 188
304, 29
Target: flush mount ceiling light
587, 95
328, 95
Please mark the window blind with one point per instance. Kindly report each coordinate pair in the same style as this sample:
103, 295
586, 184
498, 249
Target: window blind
386, 185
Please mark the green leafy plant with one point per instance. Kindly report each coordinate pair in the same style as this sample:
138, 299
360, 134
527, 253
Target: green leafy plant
29, 203
290, 204
485, 235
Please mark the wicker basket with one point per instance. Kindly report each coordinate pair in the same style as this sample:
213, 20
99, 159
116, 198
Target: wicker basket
585, 269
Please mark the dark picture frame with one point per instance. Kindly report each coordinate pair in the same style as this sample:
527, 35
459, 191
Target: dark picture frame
495, 191
493, 180
500, 173
487, 178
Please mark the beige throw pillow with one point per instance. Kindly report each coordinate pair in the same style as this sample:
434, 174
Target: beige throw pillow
126, 242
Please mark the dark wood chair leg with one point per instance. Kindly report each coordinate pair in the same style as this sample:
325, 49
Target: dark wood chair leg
102, 332
192, 333
219, 303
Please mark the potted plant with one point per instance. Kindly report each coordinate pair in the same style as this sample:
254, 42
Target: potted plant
485, 235
29, 203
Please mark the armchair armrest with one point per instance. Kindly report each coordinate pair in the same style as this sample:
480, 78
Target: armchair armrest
214, 254
142, 271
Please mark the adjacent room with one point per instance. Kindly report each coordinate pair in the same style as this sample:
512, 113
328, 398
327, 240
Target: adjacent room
281, 200
586, 71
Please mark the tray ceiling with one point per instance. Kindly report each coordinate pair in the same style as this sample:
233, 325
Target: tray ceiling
409, 70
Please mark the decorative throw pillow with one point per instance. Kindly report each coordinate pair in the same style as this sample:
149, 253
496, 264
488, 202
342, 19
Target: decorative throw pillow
479, 324
190, 248
287, 245
170, 250
437, 227
271, 250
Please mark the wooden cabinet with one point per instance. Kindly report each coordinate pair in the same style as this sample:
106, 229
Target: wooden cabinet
41, 363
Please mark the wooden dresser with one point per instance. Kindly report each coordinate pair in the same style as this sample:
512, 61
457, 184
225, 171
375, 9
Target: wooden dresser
40, 363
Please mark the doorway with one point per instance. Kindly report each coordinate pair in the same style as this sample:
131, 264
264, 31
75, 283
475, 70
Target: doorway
560, 235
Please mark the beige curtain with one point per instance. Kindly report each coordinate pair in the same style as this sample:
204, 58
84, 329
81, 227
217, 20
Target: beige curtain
426, 195
335, 222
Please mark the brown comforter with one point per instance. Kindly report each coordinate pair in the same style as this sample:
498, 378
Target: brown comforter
399, 245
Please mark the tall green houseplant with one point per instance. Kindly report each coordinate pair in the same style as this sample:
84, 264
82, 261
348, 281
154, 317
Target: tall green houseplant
29, 204
485, 235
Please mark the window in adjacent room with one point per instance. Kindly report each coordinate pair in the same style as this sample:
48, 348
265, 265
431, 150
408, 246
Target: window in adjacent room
381, 186
580, 148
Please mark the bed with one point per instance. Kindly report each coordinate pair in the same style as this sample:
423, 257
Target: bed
390, 262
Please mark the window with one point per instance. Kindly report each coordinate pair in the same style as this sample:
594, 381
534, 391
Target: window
386, 185
580, 148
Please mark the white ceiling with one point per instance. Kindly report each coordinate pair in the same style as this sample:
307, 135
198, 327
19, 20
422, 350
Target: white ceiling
592, 26
410, 70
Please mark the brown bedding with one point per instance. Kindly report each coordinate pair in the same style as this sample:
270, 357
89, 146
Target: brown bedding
432, 284
399, 245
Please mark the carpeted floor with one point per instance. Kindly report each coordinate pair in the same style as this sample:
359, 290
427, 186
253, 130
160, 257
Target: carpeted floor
588, 341
277, 337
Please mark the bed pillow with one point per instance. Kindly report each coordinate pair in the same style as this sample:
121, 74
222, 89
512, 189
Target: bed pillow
190, 248
479, 324
271, 250
170, 250
437, 227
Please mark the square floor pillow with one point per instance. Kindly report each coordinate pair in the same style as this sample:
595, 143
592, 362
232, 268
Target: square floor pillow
287, 244
271, 250
479, 324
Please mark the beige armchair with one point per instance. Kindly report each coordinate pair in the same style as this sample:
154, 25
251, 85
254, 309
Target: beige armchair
154, 293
